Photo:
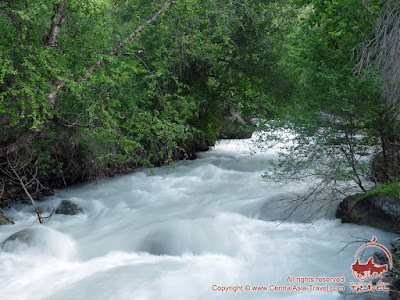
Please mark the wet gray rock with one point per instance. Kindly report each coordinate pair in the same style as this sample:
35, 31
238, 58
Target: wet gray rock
380, 211
68, 208
25, 237
158, 243
346, 206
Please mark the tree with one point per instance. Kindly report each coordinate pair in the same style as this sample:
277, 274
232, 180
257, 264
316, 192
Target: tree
74, 106
335, 118
42, 112
380, 53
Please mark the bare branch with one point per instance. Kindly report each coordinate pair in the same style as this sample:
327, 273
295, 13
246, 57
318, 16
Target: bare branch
40, 218
362, 240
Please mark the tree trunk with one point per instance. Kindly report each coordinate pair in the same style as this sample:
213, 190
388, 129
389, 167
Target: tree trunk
56, 22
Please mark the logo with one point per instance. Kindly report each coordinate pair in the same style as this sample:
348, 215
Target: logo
370, 270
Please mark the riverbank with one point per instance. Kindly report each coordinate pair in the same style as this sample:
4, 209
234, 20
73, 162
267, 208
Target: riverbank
380, 208
77, 172
68, 165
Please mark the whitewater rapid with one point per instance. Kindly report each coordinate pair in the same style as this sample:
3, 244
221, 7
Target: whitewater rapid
179, 232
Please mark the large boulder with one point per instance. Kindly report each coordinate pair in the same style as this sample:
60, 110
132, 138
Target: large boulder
380, 211
24, 237
68, 208
40, 240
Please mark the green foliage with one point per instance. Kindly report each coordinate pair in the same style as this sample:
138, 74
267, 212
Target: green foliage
167, 93
325, 45
336, 116
28, 67
336, 119
388, 189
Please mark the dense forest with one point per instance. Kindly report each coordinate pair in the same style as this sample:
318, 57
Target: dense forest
96, 88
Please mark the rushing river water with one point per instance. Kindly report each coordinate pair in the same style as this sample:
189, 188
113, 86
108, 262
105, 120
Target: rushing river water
184, 233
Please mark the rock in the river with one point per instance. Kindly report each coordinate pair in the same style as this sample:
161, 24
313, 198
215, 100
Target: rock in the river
345, 207
380, 211
68, 208
25, 236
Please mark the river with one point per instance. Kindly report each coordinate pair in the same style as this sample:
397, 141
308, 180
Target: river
201, 229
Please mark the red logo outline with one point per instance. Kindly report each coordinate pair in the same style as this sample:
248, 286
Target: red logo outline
370, 269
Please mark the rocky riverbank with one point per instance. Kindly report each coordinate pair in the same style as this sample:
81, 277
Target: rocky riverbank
378, 208
380, 211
